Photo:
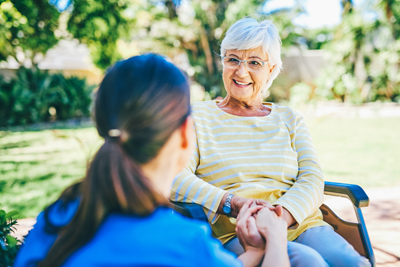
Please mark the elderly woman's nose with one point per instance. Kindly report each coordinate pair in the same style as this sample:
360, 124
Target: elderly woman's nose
242, 70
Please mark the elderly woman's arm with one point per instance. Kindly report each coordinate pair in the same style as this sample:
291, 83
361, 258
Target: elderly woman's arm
306, 194
187, 187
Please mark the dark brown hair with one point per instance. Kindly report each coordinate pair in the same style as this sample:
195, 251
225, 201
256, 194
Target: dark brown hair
146, 98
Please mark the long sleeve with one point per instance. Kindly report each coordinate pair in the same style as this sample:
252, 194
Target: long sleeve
270, 158
187, 187
306, 194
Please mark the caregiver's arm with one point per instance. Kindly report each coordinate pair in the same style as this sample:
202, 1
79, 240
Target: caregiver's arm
249, 236
255, 225
273, 228
306, 194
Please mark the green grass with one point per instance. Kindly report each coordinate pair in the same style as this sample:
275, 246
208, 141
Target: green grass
359, 151
36, 166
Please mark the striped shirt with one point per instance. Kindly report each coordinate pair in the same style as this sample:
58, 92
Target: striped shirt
270, 158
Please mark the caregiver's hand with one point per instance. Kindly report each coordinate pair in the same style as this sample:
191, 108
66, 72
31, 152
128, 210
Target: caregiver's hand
272, 224
246, 228
249, 237
273, 228
237, 203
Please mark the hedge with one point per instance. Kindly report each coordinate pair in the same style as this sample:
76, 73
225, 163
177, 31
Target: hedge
37, 96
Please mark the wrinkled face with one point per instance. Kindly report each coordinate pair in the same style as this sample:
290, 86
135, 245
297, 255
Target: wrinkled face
242, 84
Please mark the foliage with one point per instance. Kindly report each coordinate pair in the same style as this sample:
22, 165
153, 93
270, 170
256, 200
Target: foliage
292, 36
34, 94
300, 94
391, 10
27, 28
364, 53
122, 28
364, 59
9, 245
100, 24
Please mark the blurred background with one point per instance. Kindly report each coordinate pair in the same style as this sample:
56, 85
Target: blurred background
341, 64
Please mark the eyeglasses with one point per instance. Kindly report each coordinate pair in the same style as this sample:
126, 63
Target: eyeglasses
251, 64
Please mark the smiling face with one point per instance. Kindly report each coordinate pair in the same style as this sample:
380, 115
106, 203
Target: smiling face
242, 84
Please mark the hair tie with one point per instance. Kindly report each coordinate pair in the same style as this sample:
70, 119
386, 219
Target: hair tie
114, 133
117, 134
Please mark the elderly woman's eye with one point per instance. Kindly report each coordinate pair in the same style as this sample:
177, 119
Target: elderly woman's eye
255, 63
233, 60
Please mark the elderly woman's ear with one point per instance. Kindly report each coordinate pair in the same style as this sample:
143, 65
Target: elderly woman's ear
272, 68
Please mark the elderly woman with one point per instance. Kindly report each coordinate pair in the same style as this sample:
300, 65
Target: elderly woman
250, 149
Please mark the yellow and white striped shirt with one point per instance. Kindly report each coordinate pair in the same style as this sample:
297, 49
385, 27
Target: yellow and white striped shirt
270, 158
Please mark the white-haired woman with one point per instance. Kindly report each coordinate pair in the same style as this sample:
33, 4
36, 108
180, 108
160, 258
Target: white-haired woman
250, 149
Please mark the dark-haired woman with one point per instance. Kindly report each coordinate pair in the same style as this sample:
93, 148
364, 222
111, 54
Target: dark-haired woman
118, 215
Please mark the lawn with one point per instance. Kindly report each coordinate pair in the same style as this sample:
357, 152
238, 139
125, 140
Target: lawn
360, 151
35, 166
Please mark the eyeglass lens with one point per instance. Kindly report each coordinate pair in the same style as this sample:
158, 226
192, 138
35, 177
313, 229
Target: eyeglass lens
252, 65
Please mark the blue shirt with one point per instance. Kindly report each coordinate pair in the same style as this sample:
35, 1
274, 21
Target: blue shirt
164, 238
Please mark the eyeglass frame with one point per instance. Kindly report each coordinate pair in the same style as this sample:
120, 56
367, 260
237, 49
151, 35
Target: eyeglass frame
245, 62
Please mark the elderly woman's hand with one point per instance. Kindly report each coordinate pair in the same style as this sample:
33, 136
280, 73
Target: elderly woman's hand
246, 228
238, 202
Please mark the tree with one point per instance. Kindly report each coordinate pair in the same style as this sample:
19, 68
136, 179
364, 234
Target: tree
391, 9
364, 57
100, 24
31, 27
27, 28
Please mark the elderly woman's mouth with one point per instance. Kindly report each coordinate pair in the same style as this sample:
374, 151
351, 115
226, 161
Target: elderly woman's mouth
240, 83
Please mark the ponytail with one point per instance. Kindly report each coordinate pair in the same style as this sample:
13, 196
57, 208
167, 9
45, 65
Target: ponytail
128, 191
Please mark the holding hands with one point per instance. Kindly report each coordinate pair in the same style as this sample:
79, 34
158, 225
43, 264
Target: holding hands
262, 232
246, 228
238, 202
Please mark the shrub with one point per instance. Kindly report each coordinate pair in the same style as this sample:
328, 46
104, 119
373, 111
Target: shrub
9, 245
300, 94
29, 97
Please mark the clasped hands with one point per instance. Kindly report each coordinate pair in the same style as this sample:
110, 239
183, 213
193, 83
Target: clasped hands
259, 221
237, 203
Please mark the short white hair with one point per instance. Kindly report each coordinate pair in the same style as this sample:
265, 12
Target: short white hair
248, 33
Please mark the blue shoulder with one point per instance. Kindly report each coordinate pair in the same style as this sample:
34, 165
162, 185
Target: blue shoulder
208, 250
42, 237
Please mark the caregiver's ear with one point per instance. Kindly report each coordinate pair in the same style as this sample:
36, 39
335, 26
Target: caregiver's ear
187, 132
